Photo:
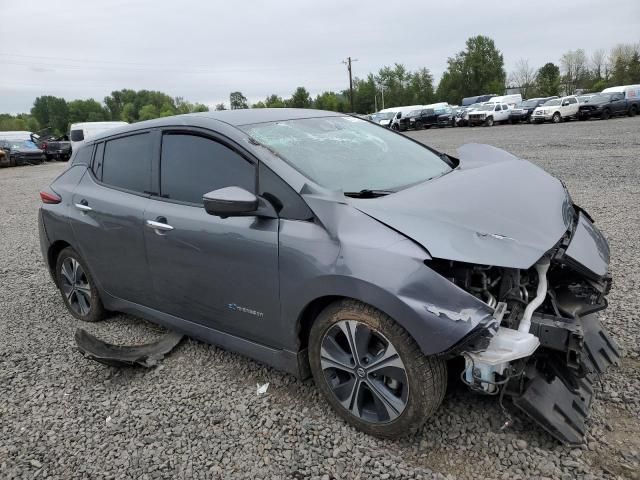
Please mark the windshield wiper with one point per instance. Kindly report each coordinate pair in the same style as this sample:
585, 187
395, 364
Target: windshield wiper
369, 193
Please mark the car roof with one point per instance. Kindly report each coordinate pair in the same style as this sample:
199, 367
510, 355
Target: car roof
235, 118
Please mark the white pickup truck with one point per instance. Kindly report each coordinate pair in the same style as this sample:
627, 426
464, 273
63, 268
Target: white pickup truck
557, 110
489, 113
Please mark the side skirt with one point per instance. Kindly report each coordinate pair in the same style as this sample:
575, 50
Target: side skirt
295, 363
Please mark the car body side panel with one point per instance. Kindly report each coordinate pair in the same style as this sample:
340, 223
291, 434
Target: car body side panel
342, 257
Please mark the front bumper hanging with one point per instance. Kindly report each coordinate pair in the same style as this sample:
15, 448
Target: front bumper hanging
556, 391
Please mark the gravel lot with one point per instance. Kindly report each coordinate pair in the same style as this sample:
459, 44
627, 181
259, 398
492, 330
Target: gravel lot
197, 415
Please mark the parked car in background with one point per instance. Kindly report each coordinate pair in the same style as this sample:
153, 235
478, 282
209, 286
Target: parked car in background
462, 117
477, 99
510, 100
488, 114
22, 152
78, 132
424, 118
54, 147
604, 106
556, 110
522, 112
325, 246
383, 117
16, 135
631, 95
448, 119
400, 113
4, 157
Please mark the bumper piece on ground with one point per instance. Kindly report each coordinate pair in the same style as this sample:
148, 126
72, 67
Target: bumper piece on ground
147, 355
557, 395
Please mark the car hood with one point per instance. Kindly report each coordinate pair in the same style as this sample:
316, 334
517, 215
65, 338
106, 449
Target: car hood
494, 209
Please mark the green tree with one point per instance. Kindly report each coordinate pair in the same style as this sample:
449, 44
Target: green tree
274, 101
259, 104
220, 106
634, 68
327, 101
237, 101
548, 80
87, 111
479, 69
129, 113
148, 112
300, 98
51, 112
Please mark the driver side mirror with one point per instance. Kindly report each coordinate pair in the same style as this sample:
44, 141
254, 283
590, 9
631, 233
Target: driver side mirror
565, 103
230, 202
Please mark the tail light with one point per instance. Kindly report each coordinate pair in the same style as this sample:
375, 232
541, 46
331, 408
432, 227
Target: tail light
50, 197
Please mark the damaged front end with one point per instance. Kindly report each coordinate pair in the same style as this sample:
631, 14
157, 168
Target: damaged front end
546, 345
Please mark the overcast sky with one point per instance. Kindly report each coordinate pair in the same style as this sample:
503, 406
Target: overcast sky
203, 49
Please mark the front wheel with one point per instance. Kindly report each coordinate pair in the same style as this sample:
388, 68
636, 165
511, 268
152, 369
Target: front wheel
488, 122
79, 291
606, 114
556, 118
418, 126
372, 372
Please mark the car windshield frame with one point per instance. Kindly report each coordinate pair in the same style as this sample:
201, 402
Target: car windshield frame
348, 154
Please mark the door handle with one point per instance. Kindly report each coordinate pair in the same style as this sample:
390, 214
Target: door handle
82, 206
158, 226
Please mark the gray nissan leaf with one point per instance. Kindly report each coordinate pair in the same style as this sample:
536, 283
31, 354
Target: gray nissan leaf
325, 245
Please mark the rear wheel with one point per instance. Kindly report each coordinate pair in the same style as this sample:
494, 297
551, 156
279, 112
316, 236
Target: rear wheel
556, 118
633, 111
372, 372
77, 287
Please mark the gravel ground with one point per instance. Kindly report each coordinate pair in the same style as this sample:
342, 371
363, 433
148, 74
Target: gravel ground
197, 415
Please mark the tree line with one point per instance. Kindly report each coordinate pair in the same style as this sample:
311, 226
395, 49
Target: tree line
478, 69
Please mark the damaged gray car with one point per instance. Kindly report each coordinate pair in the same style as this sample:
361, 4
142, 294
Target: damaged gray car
326, 245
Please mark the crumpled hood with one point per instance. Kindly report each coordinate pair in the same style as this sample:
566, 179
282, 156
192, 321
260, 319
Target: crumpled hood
495, 209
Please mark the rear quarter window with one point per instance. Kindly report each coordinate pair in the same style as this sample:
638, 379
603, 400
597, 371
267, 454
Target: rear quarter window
83, 155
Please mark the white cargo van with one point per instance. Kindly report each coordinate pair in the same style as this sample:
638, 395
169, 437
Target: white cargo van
78, 132
510, 100
400, 111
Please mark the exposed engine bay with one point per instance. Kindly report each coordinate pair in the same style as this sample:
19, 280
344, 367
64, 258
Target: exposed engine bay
545, 344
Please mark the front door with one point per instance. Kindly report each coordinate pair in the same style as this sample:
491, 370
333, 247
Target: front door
221, 273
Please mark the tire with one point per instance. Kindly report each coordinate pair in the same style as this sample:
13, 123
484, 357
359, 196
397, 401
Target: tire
394, 127
428, 126
633, 111
413, 384
77, 287
606, 114
488, 122
418, 126
556, 118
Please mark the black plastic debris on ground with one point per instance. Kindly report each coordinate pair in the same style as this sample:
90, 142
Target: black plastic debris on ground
147, 355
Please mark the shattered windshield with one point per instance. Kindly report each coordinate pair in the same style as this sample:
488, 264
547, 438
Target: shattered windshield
349, 154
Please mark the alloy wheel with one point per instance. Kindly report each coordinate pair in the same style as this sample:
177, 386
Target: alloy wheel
75, 286
364, 371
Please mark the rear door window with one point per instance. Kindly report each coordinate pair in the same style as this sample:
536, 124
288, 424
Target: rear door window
96, 167
83, 156
127, 163
192, 165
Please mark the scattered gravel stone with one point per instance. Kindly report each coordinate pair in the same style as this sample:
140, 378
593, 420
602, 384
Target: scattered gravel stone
197, 415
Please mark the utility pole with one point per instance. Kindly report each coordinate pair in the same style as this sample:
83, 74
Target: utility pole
347, 62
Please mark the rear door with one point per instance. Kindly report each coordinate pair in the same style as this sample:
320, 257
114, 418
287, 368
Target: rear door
618, 103
219, 272
107, 215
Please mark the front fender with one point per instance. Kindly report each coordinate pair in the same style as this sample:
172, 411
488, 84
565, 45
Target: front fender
357, 257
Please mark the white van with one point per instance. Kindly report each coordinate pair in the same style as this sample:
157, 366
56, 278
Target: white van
400, 111
16, 135
510, 100
78, 132
631, 92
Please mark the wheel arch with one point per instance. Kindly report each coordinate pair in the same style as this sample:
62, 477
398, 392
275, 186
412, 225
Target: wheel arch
52, 256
